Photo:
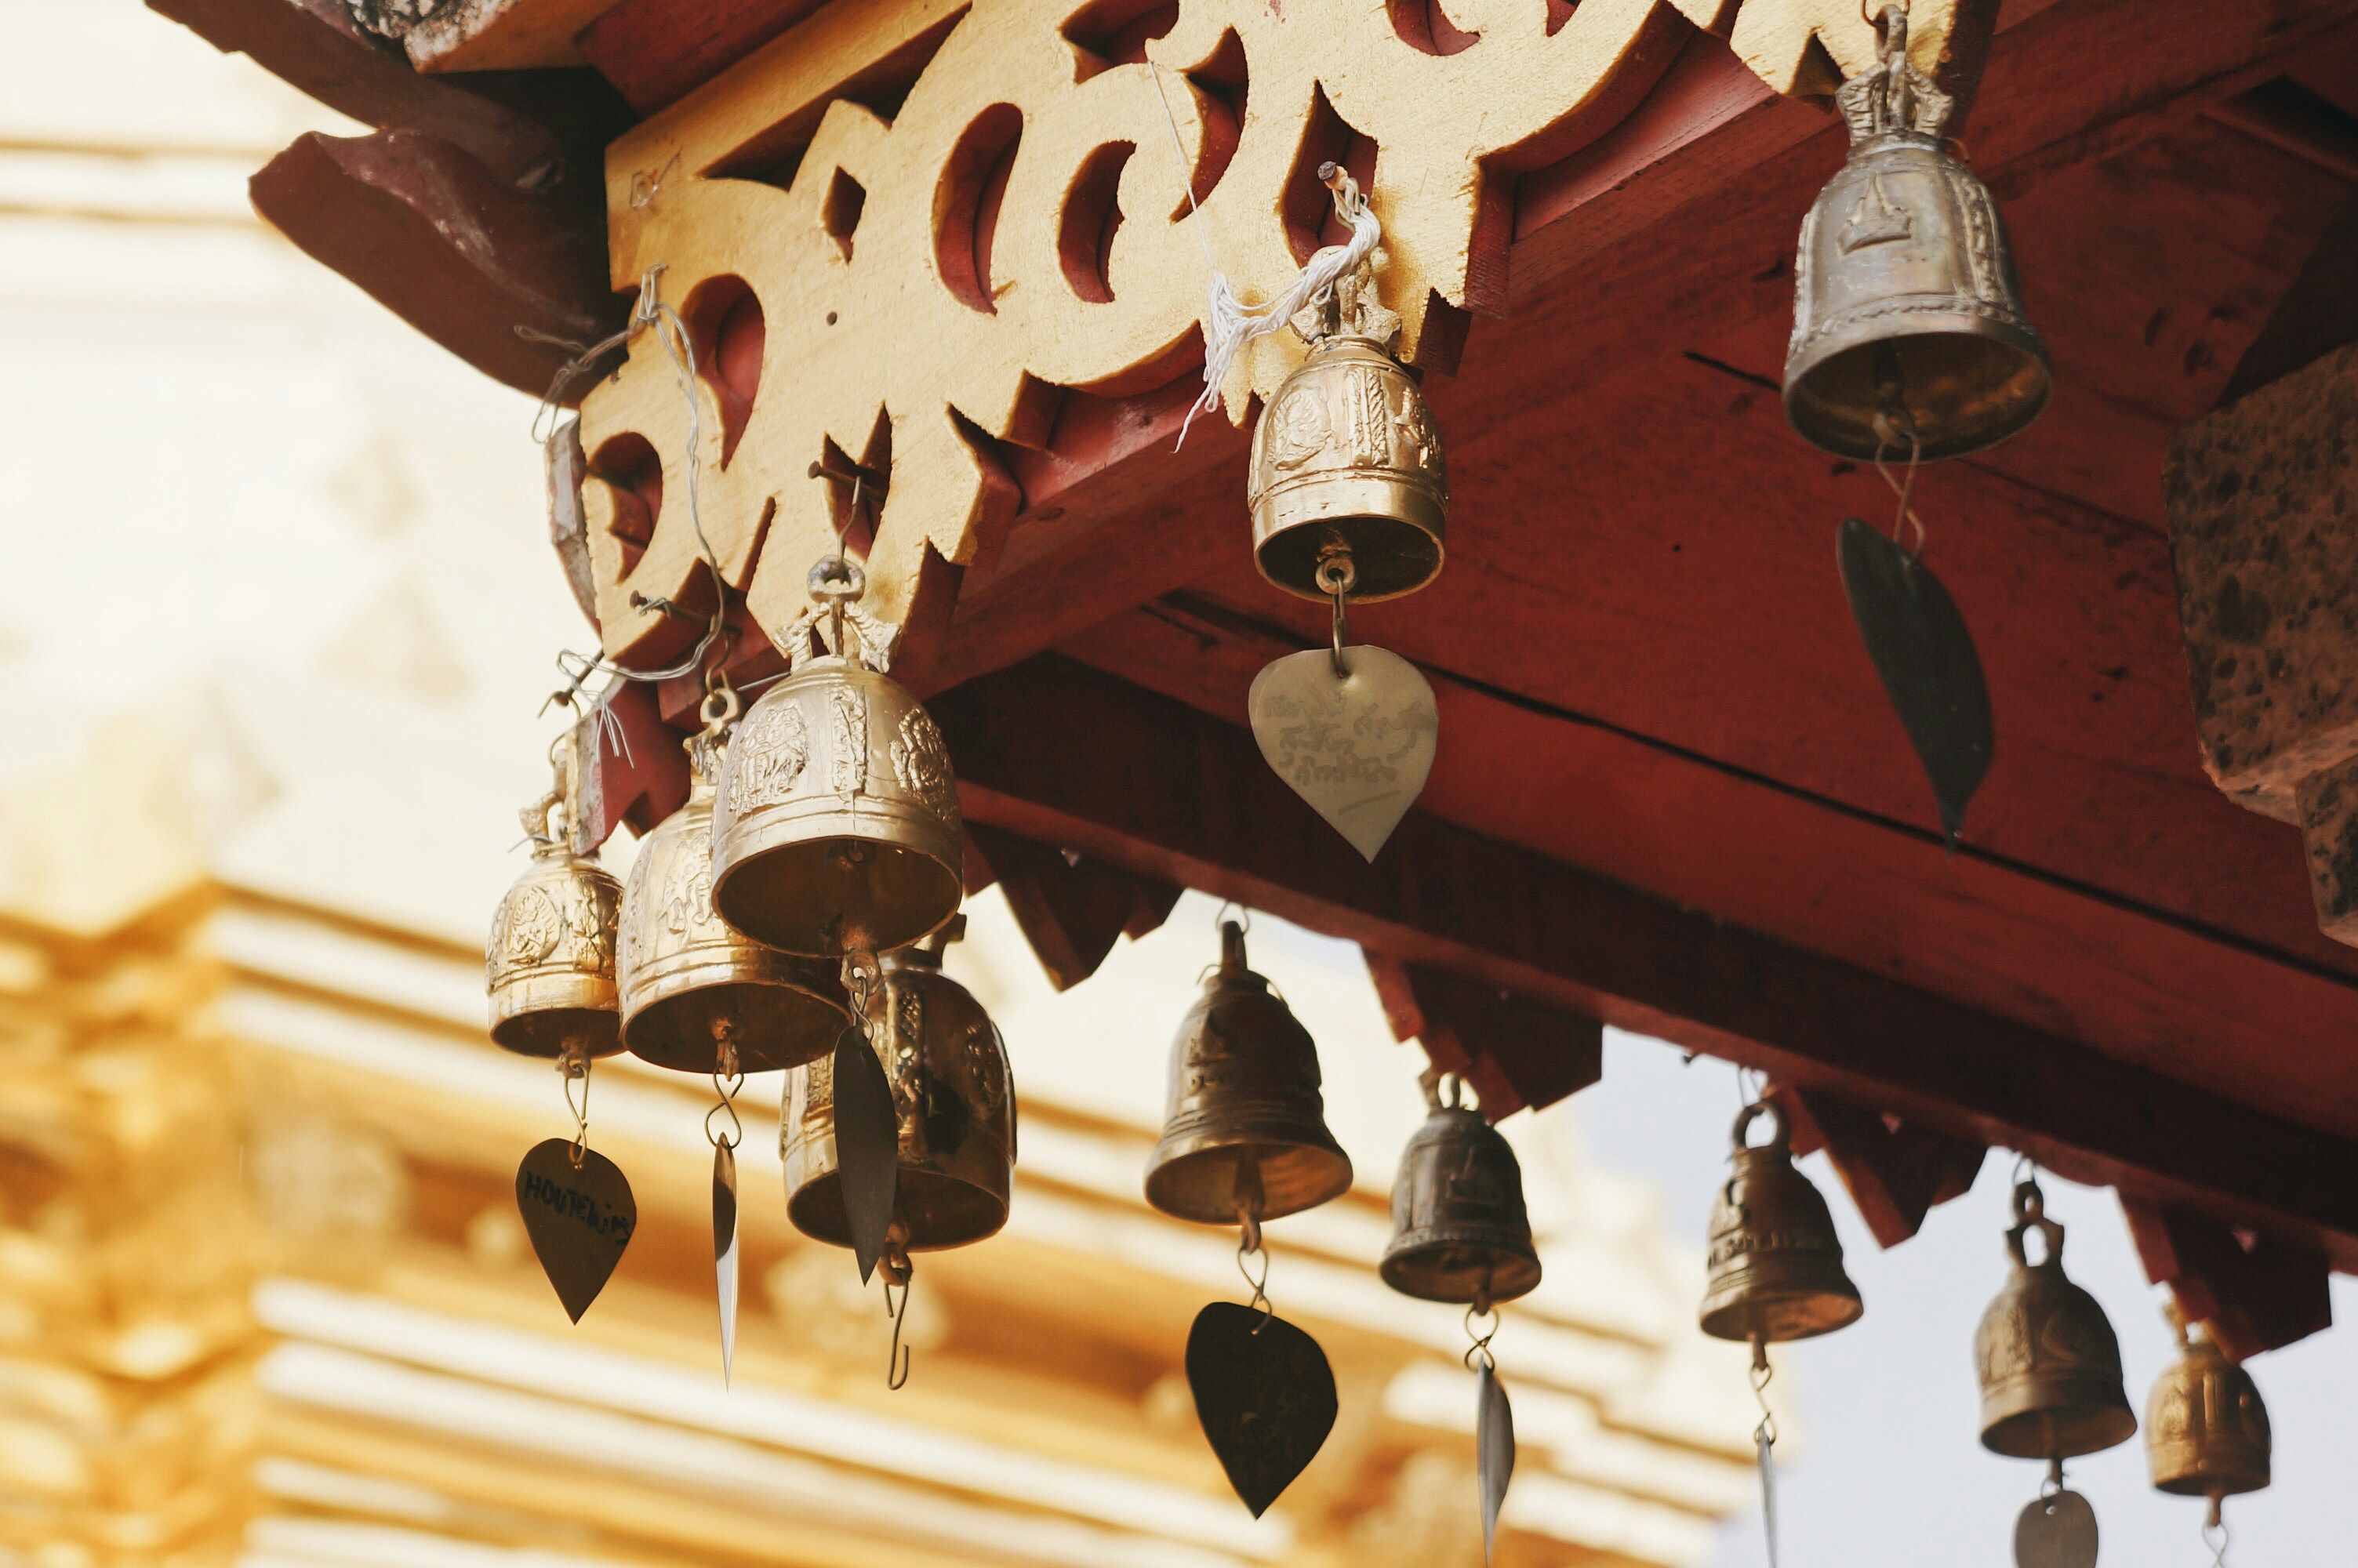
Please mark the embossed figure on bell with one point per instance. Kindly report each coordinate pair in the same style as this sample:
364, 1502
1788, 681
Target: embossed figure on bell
835, 827
2206, 1429
698, 997
549, 963
1907, 321
1245, 1134
2049, 1363
1775, 1265
1460, 1232
954, 1099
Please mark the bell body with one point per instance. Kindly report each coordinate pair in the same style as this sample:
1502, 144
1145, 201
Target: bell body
1460, 1232
955, 1103
1245, 1126
1774, 1269
2049, 1363
1906, 293
692, 990
2206, 1430
1346, 454
836, 827
550, 959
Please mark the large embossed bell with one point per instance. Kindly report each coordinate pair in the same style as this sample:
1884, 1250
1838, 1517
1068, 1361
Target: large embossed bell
698, 997
2049, 1365
1907, 322
952, 1096
837, 827
1459, 1229
1244, 1137
550, 959
1775, 1265
2206, 1430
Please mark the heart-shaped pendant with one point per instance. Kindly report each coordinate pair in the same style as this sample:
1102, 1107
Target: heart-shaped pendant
2056, 1532
867, 1147
1356, 743
579, 1218
1264, 1394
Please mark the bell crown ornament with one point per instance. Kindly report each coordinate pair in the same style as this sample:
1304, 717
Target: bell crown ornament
698, 997
1775, 1264
1909, 332
836, 826
2206, 1428
1244, 1136
550, 962
2049, 1363
954, 1100
1460, 1232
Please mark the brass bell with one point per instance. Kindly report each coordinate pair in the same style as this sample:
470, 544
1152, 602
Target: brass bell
2049, 1366
953, 1099
2206, 1430
836, 828
1775, 1265
1245, 1133
1908, 319
1459, 1229
550, 959
696, 997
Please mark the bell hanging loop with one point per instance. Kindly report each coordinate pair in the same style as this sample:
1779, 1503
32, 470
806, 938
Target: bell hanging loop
550, 962
2206, 1428
1775, 1264
1908, 330
1460, 1232
2049, 1363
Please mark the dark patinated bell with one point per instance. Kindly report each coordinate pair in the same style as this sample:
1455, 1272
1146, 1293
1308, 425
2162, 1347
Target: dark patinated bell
1246, 1130
2049, 1365
1775, 1265
1906, 318
1459, 1230
2206, 1430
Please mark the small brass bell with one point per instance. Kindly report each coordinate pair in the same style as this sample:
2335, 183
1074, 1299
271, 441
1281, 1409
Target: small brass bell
1907, 321
2049, 1366
1459, 1229
696, 997
1245, 1134
1775, 1265
550, 959
2206, 1430
952, 1096
836, 828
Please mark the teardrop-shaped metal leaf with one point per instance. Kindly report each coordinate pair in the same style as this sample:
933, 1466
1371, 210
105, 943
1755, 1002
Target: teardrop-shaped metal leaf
867, 1147
578, 1217
1264, 1394
1925, 657
1494, 1451
724, 1250
2056, 1532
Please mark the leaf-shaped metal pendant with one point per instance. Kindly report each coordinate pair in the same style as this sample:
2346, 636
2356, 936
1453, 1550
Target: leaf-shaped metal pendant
1926, 659
1494, 1452
579, 1218
2057, 1531
1357, 746
1264, 1394
724, 1250
867, 1147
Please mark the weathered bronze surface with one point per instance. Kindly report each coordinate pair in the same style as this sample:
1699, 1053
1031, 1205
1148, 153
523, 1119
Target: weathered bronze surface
1264, 1394
1775, 1263
550, 959
2206, 1430
1244, 1132
1907, 316
2049, 1366
1459, 1229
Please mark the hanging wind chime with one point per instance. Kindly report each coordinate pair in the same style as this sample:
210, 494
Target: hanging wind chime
1460, 1234
1245, 1141
2206, 1430
1774, 1269
1909, 341
2050, 1379
696, 997
550, 967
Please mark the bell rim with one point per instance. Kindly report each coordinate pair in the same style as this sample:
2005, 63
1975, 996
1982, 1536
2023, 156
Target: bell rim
936, 841
1422, 528
647, 1018
2017, 1434
1406, 1266
2221, 1482
821, 1190
1735, 1320
2010, 329
1171, 1162
519, 1031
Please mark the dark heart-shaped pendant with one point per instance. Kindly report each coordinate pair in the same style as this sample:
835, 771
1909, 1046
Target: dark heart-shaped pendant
1355, 745
724, 1248
867, 1147
1494, 1452
1925, 657
1264, 1394
579, 1218
2056, 1532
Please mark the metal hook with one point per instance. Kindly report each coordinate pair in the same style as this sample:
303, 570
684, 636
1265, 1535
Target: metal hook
574, 1064
1480, 1348
1336, 574
897, 1271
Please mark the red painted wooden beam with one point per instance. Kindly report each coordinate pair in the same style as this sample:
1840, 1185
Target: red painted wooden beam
2257, 1293
1516, 1052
